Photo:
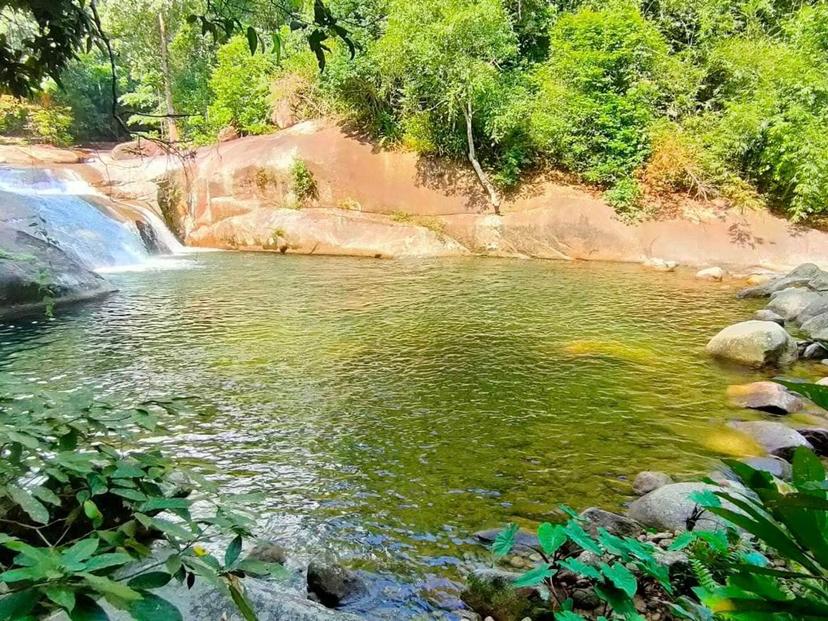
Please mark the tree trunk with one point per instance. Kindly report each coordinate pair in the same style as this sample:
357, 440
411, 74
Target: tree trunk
172, 128
494, 198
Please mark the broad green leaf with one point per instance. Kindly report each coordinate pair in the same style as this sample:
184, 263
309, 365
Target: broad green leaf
104, 561
17, 605
22, 574
87, 609
815, 392
551, 538
128, 471
80, 551
46, 495
580, 568
621, 577
807, 468
31, 505
233, 551
241, 601
62, 596
566, 615
24, 439
153, 608
505, 541
534, 577
105, 586
130, 494
162, 504
90, 509
580, 537
150, 580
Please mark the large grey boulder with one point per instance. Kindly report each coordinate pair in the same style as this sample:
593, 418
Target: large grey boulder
776, 466
776, 438
817, 327
671, 506
790, 303
767, 315
331, 584
649, 480
34, 273
814, 309
798, 277
755, 344
764, 396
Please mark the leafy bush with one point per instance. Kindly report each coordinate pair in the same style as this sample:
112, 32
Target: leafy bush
14, 115
304, 183
79, 510
608, 74
240, 84
43, 121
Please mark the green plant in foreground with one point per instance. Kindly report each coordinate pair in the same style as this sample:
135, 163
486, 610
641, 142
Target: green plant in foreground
768, 562
79, 511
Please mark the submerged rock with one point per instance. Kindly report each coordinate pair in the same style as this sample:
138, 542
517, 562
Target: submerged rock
35, 273
711, 273
775, 438
524, 538
648, 481
594, 518
790, 303
332, 584
661, 265
764, 396
271, 601
754, 343
671, 506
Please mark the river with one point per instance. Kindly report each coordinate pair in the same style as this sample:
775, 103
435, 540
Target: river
389, 409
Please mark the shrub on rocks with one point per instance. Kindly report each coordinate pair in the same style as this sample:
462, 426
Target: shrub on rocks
755, 344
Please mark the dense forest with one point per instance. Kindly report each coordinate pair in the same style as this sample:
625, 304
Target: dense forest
712, 98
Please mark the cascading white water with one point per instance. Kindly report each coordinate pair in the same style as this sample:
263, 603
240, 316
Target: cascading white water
48, 206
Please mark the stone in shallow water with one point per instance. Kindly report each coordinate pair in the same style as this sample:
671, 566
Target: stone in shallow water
769, 315
775, 438
799, 277
671, 506
711, 273
648, 481
524, 538
332, 585
814, 309
755, 344
619, 525
764, 396
815, 351
774, 465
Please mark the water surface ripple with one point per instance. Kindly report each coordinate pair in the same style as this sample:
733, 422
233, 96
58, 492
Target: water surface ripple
387, 409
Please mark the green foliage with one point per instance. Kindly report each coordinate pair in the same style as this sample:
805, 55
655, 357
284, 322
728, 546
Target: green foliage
304, 183
80, 513
625, 196
43, 121
240, 86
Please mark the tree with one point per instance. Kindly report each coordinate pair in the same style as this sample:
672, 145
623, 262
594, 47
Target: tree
445, 56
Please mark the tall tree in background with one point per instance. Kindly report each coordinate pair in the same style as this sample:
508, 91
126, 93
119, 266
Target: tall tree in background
445, 56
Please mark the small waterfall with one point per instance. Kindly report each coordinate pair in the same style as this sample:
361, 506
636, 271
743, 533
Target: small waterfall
53, 208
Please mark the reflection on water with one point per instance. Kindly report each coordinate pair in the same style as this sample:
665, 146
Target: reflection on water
388, 409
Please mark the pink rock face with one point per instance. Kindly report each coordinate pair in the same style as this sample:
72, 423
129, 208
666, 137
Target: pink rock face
236, 188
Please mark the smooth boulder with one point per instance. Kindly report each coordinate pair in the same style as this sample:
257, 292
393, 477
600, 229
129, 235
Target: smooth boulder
755, 344
764, 396
594, 518
799, 277
35, 274
775, 438
670, 508
711, 273
649, 480
332, 585
790, 303
816, 328
817, 307
768, 315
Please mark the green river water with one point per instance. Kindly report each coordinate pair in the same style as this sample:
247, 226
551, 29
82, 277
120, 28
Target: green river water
389, 409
